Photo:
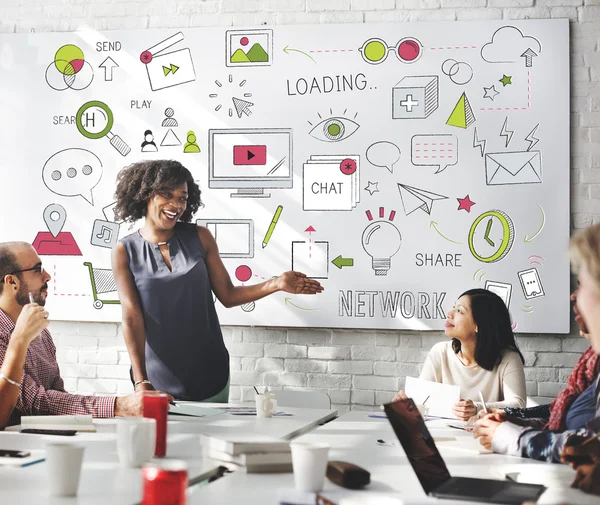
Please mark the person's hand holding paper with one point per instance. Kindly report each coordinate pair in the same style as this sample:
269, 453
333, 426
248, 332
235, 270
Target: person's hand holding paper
442, 397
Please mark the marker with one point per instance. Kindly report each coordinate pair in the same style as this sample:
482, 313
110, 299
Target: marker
483, 401
272, 226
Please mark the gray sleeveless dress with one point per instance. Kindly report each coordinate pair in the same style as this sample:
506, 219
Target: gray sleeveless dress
185, 353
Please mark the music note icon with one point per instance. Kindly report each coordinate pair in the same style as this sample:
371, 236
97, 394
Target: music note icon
105, 233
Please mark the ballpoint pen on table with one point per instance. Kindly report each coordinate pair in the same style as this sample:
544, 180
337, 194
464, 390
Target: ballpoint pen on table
483, 402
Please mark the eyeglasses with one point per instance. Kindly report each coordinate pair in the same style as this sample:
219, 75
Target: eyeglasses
36, 268
375, 51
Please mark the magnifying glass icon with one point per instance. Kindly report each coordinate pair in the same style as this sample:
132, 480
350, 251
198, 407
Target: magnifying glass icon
94, 120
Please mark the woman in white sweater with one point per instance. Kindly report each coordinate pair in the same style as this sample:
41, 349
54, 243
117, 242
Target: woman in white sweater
482, 355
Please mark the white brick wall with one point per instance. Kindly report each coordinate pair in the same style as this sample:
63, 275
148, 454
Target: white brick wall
358, 369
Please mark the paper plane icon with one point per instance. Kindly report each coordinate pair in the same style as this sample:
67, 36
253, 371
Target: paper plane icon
242, 106
415, 198
171, 69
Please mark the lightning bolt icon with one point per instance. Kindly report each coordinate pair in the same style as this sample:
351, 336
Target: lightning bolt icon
506, 133
530, 137
478, 143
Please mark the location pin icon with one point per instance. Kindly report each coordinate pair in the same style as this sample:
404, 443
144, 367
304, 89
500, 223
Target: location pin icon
55, 216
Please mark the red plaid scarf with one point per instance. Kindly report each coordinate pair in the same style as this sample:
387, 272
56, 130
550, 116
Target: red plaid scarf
583, 375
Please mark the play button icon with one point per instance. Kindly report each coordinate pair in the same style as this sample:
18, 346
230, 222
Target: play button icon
249, 155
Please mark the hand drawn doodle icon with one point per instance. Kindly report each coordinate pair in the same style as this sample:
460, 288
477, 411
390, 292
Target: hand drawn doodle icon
491, 236
69, 70
168, 69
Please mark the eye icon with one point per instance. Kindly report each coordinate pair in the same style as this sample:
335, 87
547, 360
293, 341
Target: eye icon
334, 129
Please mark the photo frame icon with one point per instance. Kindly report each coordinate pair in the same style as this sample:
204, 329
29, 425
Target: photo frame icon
168, 69
249, 48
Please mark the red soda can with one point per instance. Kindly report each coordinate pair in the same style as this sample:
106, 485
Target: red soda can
156, 406
165, 483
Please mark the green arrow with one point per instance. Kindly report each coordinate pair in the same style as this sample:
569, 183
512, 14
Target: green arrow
433, 225
287, 50
288, 302
343, 262
530, 239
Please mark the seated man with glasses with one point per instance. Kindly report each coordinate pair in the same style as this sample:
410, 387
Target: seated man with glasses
30, 382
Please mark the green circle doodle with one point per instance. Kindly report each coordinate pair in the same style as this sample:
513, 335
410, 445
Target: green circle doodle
109, 122
507, 236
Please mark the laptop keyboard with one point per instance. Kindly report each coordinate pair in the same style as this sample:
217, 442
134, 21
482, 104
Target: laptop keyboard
474, 487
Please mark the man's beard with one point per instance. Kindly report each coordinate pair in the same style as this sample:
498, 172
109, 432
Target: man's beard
23, 295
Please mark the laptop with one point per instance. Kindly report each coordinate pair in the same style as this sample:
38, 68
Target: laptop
432, 472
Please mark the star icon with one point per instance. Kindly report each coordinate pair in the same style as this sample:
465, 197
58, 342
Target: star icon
506, 79
490, 92
465, 203
372, 188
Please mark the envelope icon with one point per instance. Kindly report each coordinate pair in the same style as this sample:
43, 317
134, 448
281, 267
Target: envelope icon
519, 167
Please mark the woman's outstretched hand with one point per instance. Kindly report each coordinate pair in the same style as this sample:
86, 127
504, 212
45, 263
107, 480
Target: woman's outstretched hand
297, 283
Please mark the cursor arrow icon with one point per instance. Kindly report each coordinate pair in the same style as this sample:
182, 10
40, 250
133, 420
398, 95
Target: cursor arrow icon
108, 64
242, 106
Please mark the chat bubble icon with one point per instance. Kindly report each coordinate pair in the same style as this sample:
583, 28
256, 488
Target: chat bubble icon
383, 154
73, 172
434, 151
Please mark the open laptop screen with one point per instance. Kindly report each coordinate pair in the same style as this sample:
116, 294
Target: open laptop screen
418, 444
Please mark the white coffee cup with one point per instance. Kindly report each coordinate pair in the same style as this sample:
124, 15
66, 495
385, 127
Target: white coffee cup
265, 404
136, 439
63, 462
310, 464
423, 410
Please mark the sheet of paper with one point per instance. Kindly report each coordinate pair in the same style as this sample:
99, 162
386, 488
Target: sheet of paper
442, 397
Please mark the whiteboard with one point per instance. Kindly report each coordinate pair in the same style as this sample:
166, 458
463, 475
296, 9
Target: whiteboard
399, 164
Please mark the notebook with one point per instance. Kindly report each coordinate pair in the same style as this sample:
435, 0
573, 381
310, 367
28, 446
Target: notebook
234, 444
440, 397
432, 472
83, 423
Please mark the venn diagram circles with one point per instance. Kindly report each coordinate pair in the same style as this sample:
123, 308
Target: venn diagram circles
458, 71
69, 70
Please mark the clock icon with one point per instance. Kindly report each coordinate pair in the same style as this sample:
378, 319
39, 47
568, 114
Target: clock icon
491, 236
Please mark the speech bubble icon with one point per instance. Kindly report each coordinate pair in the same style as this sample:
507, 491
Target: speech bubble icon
383, 154
73, 172
438, 150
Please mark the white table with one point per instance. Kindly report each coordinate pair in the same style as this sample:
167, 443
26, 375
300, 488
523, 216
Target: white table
104, 482
353, 438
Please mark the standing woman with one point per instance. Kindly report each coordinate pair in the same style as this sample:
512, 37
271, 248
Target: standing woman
482, 355
166, 273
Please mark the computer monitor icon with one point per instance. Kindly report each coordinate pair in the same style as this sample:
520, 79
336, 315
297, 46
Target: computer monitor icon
250, 160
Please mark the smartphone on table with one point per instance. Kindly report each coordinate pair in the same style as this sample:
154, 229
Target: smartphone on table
8, 453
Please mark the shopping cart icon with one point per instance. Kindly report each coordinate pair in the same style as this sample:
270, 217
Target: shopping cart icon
103, 281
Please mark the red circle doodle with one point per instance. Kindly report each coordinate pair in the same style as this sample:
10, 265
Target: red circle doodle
146, 57
409, 50
243, 273
348, 166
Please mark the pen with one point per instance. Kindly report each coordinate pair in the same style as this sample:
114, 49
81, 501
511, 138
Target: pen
171, 402
272, 226
483, 401
595, 437
31, 299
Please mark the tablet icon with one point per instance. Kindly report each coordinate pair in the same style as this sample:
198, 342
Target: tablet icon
168, 69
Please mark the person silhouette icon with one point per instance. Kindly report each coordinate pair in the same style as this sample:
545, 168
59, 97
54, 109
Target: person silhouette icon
191, 146
148, 145
169, 121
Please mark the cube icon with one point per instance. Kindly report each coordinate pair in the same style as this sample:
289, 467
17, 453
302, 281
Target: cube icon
415, 97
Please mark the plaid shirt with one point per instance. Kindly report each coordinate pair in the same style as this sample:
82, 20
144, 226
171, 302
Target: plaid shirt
43, 390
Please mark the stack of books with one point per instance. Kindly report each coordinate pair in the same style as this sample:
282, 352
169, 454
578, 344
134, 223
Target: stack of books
249, 453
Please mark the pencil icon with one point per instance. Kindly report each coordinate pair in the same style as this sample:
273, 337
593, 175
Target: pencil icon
272, 226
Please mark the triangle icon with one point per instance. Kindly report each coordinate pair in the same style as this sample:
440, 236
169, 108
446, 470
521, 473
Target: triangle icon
170, 139
462, 115
166, 70
174, 68
251, 155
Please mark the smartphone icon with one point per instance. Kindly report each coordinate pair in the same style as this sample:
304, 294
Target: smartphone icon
7, 453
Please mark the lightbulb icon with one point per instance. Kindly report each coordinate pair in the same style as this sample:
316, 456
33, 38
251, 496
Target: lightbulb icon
381, 240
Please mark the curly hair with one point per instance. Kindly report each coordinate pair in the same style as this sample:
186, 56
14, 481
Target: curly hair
139, 181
